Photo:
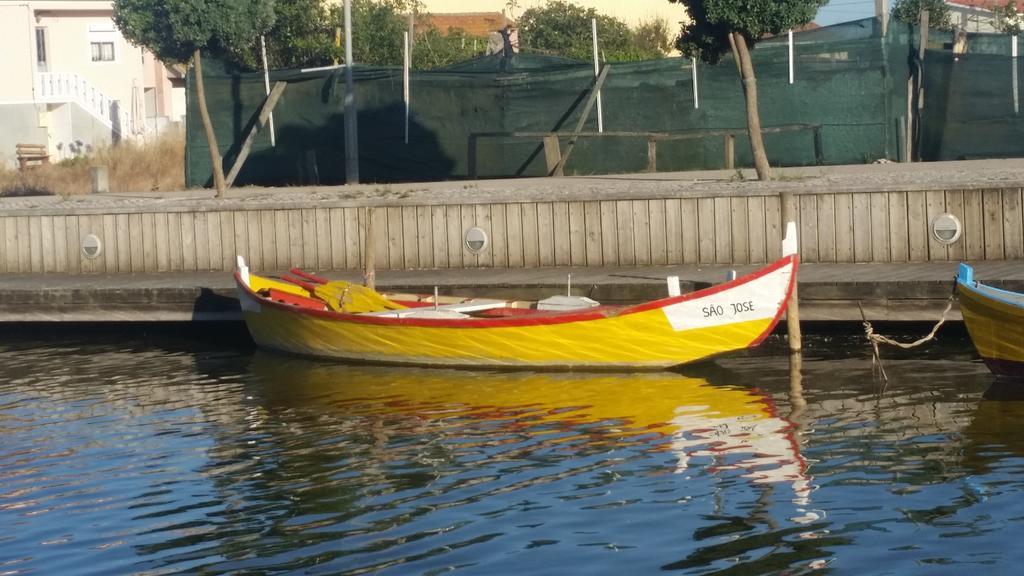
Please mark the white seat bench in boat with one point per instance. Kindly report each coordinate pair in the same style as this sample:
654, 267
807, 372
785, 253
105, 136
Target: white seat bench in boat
458, 310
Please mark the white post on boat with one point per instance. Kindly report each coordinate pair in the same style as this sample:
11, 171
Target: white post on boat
266, 87
790, 247
243, 269
696, 93
791, 56
673, 286
568, 286
597, 72
435, 298
406, 60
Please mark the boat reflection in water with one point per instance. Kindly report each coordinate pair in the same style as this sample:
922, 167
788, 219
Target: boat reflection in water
710, 429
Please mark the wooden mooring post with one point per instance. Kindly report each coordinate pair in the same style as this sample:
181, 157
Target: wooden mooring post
789, 210
369, 252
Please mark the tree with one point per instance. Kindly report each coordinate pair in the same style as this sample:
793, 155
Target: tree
653, 36
718, 26
303, 35
1008, 20
909, 11
180, 30
564, 29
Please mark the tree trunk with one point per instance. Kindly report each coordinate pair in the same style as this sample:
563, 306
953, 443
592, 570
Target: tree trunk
742, 53
211, 138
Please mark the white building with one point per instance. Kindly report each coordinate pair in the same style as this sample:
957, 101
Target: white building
72, 82
978, 15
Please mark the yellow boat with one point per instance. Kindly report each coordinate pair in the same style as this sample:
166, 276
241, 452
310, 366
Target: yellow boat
311, 316
995, 322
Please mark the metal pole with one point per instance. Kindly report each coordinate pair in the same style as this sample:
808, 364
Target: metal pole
696, 94
405, 82
791, 56
1016, 82
266, 86
351, 120
597, 70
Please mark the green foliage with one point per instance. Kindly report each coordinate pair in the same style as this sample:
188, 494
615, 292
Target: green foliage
909, 11
1008, 20
377, 31
434, 50
653, 36
706, 36
302, 35
564, 29
308, 33
174, 29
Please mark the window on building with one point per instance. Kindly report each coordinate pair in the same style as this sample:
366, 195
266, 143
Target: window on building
102, 38
41, 49
102, 51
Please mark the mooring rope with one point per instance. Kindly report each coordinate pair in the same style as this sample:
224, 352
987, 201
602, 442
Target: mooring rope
881, 339
876, 339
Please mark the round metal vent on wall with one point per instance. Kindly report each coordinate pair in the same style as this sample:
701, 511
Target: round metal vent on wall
476, 240
946, 228
92, 246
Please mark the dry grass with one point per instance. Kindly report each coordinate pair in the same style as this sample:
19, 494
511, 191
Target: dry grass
154, 165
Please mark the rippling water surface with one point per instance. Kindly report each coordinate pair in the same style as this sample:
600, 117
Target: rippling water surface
182, 457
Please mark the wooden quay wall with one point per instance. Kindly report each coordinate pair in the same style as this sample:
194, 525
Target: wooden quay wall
871, 214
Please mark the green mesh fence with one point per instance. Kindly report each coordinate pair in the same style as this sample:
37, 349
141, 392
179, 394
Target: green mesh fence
849, 87
972, 101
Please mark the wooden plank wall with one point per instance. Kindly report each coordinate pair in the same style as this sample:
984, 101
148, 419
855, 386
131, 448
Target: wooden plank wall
833, 227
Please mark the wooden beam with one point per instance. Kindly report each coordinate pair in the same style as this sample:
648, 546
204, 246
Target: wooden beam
882, 13
552, 155
594, 91
261, 120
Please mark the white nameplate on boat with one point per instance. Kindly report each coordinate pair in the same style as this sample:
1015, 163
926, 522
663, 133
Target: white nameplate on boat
755, 300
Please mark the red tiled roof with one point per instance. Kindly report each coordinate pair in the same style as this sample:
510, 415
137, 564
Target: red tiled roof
472, 23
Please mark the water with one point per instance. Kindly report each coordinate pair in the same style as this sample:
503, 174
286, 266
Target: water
172, 456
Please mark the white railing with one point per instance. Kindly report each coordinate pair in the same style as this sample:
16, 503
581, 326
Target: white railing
71, 87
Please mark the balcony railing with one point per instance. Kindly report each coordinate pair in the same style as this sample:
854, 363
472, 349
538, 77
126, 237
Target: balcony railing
71, 87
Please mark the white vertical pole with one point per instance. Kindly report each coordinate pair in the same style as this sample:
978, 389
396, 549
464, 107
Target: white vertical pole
597, 71
266, 86
405, 82
790, 56
351, 128
1013, 61
696, 93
